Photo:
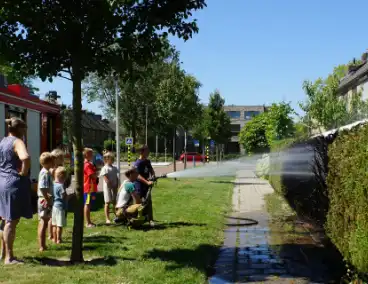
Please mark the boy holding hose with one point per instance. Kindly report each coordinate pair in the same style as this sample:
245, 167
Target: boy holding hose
145, 170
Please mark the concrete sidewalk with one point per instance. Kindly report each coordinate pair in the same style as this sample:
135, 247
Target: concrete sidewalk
246, 255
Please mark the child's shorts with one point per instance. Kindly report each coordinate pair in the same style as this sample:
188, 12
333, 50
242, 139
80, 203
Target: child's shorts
89, 198
109, 195
43, 212
58, 218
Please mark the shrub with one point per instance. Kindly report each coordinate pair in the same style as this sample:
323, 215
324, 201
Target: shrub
110, 145
298, 171
347, 181
263, 166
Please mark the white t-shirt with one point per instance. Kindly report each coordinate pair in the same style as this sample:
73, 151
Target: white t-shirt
125, 194
44, 182
112, 174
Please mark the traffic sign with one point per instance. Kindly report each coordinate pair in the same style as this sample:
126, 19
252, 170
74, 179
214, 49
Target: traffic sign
212, 143
196, 143
128, 140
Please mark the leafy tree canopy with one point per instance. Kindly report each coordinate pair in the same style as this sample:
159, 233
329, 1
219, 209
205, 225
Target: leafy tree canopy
324, 106
266, 129
72, 39
217, 122
177, 102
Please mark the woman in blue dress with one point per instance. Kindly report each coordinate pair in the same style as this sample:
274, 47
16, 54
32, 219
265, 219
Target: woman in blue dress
15, 185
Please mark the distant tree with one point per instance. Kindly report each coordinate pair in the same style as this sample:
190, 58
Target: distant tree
72, 39
253, 135
268, 128
137, 88
279, 122
177, 102
199, 130
67, 126
15, 77
218, 124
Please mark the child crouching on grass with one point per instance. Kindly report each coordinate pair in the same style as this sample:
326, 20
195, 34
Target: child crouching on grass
128, 200
110, 174
58, 209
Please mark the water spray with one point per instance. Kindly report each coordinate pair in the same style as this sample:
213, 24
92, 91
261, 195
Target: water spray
298, 161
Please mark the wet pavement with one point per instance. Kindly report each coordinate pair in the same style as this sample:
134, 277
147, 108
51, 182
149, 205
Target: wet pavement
260, 248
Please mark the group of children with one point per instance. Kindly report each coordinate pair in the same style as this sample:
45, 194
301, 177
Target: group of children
52, 198
53, 180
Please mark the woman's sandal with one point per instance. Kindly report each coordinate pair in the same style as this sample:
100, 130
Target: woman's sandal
91, 225
14, 261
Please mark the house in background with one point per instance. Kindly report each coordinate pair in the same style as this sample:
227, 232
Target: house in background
240, 115
356, 80
95, 130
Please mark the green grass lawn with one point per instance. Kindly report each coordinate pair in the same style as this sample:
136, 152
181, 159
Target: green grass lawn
181, 249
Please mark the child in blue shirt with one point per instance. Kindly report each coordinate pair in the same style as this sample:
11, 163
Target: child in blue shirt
58, 209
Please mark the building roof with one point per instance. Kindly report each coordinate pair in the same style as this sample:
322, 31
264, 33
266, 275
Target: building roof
354, 77
95, 122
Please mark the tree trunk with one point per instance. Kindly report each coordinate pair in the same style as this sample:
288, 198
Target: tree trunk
77, 238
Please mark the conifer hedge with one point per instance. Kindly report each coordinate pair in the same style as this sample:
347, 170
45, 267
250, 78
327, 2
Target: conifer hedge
336, 194
347, 182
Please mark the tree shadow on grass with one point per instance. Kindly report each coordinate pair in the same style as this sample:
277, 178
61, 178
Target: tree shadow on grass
164, 226
102, 239
100, 261
90, 247
202, 258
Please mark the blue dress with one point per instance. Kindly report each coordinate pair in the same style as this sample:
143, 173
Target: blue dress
15, 190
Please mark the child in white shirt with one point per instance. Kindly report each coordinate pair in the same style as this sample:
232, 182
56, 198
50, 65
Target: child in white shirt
110, 183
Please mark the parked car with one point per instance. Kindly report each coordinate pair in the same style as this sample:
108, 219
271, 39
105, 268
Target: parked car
190, 155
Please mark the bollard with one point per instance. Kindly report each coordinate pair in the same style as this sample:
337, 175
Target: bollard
128, 155
207, 154
193, 162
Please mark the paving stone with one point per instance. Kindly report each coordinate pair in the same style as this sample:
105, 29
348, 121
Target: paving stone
221, 265
259, 266
260, 256
275, 271
248, 272
221, 279
246, 254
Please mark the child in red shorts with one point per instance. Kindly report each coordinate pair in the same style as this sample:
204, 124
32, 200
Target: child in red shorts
90, 185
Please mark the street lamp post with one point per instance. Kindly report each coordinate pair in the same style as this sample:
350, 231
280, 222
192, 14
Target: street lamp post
185, 149
146, 124
117, 127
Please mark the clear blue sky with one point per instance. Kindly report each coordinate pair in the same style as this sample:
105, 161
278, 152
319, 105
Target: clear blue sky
260, 51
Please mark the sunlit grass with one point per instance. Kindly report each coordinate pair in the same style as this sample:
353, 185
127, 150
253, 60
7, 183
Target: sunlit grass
180, 249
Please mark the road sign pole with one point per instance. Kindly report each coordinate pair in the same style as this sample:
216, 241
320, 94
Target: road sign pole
207, 154
129, 143
128, 155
